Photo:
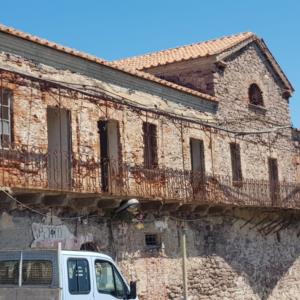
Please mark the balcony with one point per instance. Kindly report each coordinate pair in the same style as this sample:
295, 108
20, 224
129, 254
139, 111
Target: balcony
36, 170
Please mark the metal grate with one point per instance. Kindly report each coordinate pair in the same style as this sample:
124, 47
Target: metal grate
152, 240
37, 272
9, 272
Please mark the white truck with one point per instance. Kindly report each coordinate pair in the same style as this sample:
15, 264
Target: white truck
61, 275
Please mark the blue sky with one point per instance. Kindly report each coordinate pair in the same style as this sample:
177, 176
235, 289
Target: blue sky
113, 29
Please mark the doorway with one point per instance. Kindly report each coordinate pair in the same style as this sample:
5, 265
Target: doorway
109, 154
274, 181
198, 166
59, 148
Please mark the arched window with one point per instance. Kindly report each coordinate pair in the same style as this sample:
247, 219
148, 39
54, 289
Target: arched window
255, 95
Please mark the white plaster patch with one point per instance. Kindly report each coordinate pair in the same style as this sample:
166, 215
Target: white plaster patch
48, 236
161, 225
6, 221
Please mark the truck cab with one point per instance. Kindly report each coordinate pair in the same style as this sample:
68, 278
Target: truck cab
61, 275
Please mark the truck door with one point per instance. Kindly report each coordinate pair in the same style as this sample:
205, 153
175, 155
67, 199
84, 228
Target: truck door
109, 284
77, 278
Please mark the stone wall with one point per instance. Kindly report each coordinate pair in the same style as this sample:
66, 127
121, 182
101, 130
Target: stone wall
30, 126
196, 74
230, 84
236, 255
231, 256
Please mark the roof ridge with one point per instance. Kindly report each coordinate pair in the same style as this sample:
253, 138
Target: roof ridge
111, 64
45, 42
184, 46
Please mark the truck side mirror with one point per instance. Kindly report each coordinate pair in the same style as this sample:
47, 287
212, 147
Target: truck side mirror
132, 293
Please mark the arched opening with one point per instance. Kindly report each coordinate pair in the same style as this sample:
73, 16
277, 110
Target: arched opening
255, 95
89, 246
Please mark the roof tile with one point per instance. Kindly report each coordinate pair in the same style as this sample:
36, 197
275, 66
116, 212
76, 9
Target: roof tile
187, 52
95, 59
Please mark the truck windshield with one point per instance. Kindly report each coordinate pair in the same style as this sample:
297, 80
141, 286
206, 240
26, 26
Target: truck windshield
108, 280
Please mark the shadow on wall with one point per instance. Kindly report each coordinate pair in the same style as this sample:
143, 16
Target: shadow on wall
240, 257
229, 257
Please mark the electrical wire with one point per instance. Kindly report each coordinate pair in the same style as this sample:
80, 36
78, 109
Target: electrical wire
129, 102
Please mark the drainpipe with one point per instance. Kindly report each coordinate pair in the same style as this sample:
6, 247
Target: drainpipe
184, 267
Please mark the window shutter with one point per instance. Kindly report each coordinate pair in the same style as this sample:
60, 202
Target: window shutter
236, 162
150, 145
197, 156
273, 179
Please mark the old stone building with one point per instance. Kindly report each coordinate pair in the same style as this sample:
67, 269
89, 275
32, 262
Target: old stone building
200, 135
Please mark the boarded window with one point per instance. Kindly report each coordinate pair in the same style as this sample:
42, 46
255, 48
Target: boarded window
5, 117
37, 272
150, 145
274, 179
236, 165
255, 95
79, 276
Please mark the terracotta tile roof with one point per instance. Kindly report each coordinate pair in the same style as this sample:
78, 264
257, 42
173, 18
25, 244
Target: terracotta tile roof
95, 59
178, 54
198, 50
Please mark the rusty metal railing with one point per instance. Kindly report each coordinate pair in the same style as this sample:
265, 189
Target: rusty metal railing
35, 168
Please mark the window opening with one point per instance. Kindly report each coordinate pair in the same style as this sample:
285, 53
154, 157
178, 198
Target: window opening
255, 95
152, 240
89, 246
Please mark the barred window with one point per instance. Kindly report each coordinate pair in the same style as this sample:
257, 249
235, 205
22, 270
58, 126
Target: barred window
152, 241
255, 95
5, 117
